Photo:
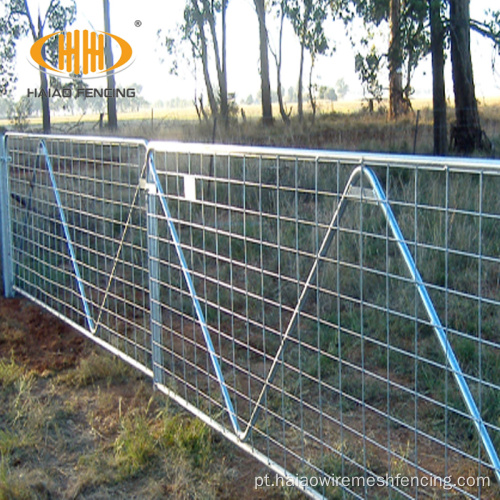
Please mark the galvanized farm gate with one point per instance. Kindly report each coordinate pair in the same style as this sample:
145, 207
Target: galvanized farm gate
336, 315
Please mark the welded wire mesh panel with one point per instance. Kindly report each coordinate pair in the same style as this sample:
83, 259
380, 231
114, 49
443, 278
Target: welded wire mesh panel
335, 315
78, 223
332, 360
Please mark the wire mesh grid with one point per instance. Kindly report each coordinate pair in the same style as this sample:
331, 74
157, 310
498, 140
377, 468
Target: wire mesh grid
268, 291
85, 192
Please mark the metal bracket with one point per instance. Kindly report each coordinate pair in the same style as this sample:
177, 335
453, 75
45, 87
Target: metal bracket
190, 187
154, 274
149, 187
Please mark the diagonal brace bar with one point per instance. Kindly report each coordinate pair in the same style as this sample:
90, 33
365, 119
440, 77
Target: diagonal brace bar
153, 175
92, 324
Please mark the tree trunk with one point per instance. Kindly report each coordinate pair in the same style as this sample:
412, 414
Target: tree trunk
467, 135
224, 63
438, 85
212, 101
220, 63
397, 105
43, 84
312, 99
285, 116
300, 103
267, 110
45, 101
108, 53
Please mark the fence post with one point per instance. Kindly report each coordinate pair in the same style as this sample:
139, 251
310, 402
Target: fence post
5, 222
154, 274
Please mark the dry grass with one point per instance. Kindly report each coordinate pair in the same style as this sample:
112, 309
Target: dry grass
342, 125
99, 431
98, 368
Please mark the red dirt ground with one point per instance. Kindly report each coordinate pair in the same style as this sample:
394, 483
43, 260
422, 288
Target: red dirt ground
37, 339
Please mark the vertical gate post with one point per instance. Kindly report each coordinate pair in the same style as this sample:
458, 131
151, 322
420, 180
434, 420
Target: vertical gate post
154, 274
5, 222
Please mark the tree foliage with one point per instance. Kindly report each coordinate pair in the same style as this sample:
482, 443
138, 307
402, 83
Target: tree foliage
18, 23
368, 67
413, 35
19, 112
489, 27
8, 38
307, 18
341, 88
280, 9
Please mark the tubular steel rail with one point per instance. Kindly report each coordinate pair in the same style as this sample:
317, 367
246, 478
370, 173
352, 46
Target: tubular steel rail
224, 273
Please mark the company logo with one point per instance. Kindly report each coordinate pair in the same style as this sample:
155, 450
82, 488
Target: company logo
80, 53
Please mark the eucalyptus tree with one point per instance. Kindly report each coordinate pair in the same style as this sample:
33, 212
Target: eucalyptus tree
428, 25
341, 88
397, 105
467, 134
211, 11
111, 100
265, 86
437, 24
194, 31
8, 36
19, 23
280, 8
307, 18
198, 39
368, 67
409, 41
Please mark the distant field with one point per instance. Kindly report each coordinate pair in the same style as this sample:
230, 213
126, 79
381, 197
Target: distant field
189, 113
251, 111
339, 125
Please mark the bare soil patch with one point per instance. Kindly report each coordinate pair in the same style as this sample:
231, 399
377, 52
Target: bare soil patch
37, 339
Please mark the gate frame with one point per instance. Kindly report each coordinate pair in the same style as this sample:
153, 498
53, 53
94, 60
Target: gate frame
154, 190
6, 241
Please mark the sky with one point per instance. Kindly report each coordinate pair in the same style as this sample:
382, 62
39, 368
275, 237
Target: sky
139, 23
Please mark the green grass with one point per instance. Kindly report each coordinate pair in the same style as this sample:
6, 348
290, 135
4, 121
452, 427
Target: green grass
135, 446
30, 486
97, 368
10, 372
149, 442
188, 437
